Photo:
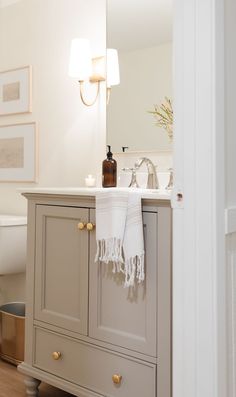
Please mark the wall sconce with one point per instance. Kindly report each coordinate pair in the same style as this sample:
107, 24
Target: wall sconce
113, 72
83, 67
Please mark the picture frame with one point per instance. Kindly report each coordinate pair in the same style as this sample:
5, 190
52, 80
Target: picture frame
18, 153
16, 91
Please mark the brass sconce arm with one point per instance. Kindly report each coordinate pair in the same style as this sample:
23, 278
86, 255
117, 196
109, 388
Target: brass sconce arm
81, 84
96, 78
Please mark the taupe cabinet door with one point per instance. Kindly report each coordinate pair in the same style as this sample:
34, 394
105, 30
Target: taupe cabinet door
61, 267
125, 317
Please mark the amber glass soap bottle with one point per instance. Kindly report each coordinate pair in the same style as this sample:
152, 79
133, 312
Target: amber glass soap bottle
109, 171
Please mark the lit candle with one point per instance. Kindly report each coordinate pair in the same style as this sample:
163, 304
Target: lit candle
90, 181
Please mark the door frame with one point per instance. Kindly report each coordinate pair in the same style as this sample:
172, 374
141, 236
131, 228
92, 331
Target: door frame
199, 293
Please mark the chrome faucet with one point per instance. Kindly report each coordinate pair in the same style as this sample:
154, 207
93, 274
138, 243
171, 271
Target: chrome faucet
152, 182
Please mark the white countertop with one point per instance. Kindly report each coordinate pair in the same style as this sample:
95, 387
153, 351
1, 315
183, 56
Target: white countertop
85, 191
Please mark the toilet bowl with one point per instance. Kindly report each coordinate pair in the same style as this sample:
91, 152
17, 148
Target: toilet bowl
12, 244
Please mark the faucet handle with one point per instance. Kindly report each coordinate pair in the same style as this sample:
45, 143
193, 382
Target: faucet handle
171, 180
133, 182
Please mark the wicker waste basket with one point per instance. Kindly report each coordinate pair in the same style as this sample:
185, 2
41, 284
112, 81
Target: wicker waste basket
12, 332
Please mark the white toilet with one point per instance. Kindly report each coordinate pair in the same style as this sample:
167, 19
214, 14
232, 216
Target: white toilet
12, 244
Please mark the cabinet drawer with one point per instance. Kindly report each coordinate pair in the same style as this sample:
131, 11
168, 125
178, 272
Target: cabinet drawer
93, 368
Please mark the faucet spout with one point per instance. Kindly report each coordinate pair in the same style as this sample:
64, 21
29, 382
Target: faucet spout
152, 182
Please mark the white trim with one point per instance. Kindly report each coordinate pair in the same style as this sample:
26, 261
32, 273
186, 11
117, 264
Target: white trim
231, 305
230, 220
199, 336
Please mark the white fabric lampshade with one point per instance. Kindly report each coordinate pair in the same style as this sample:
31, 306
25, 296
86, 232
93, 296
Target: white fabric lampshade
80, 66
113, 72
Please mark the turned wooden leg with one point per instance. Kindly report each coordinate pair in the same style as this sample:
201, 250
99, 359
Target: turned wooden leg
32, 386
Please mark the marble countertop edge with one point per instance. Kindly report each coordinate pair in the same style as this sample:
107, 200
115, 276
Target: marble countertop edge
92, 192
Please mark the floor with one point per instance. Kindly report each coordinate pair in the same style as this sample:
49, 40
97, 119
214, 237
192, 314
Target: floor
12, 384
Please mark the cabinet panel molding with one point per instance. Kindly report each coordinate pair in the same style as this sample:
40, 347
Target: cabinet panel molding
126, 316
61, 267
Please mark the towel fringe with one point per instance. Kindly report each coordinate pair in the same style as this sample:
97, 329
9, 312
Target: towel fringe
110, 250
134, 268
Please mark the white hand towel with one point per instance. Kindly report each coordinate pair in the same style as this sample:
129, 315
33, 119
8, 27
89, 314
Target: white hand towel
111, 210
133, 244
119, 233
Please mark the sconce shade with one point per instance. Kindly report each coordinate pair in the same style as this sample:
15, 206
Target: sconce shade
80, 65
113, 73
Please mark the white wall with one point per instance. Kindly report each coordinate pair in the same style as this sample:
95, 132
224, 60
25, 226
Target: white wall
6, 3
71, 136
145, 79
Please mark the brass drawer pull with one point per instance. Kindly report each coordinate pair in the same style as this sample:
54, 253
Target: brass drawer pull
117, 379
56, 355
81, 225
90, 226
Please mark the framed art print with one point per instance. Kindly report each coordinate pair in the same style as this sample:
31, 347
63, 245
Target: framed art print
18, 153
15, 91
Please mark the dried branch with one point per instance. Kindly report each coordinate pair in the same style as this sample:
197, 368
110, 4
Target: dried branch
164, 116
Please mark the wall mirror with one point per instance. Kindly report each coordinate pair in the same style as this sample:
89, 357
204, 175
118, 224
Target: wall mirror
141, 31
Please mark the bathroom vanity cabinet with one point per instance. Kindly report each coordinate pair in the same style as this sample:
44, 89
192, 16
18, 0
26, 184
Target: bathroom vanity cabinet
85, 332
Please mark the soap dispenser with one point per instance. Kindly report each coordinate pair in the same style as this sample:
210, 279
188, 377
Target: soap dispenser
109, 170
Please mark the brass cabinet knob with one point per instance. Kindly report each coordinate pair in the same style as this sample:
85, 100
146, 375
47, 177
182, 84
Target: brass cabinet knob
81, 225
56, 355
90, 226
117, 379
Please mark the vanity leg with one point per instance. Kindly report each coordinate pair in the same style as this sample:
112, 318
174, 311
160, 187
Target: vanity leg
32, 386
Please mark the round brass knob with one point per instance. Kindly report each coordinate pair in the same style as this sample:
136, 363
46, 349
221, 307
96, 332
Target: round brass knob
81, 225
117, 379
90, 226
56, 355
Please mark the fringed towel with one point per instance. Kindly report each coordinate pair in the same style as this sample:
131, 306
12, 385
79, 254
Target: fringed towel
119, 233
133, 243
